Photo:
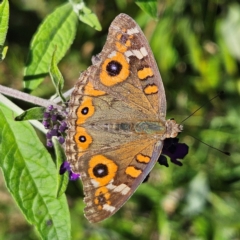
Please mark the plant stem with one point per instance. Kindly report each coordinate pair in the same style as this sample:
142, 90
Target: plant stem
27, 97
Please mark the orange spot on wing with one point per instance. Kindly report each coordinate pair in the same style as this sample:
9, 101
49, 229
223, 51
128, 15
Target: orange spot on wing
90, 91
133, 172
122, 76
145, 73
103, 194
119, 36
120, 47
112, 169
128, 43
102, 191
80, 131
142, 159
86, 102
151, 89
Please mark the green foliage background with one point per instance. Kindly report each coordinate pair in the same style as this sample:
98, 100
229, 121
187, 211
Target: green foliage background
197, 47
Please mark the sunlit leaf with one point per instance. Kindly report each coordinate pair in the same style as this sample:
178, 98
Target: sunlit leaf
31, 178
90, 18
4, 18
56, 76
148, 6
35, 113
231, 30
58, 29
62, 180
197, 194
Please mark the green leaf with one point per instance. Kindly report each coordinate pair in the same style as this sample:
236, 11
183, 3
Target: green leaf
56, 76
197, 194
3, 52
60, 158
230, 30
30, 176
59, 28
148, 6
90, 18
121, 4
35, 113
191, 42
4, 18
165, 53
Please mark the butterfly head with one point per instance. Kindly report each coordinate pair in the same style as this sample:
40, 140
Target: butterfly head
172, 128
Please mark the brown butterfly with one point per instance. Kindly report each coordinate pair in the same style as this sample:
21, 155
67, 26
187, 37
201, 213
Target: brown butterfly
116, 122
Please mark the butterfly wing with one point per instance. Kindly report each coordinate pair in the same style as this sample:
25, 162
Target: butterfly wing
127, 45
123, 87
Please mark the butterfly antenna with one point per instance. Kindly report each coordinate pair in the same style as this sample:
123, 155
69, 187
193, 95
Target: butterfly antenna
226, 153
220, 95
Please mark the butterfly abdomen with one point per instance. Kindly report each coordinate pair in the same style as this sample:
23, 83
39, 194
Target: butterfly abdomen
148, 127
123, 127
140, 127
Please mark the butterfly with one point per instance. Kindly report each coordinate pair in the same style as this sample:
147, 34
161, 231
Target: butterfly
116, 121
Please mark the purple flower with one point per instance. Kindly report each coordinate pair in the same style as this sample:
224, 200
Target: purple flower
174, 150
65, 167
61, 139
63, 126
48, 135
46, 124
49, 143
53, 132
46, 115
50, 108
73, 176
53, 120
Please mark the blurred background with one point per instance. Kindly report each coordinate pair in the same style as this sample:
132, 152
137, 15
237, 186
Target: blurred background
197, 47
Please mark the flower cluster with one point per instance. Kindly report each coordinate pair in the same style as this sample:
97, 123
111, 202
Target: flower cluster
53, 120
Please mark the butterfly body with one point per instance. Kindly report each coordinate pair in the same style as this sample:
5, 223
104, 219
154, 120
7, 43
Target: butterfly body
117, 120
